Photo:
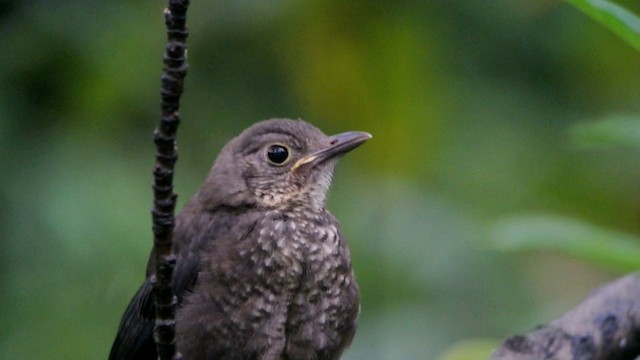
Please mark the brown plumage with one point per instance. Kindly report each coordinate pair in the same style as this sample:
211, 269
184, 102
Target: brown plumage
263, 271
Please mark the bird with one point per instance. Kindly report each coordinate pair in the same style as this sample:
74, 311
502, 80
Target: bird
263, 271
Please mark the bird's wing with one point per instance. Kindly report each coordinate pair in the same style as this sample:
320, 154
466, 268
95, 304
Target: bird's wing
194, 232
135, 334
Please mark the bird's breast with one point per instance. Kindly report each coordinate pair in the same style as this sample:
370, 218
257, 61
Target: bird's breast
294, 246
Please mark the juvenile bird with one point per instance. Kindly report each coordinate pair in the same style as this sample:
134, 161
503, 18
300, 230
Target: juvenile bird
263, 271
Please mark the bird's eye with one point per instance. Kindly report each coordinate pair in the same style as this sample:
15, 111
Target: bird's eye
278, 154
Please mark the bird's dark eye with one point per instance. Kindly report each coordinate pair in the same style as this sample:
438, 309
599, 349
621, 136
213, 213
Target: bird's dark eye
278, 154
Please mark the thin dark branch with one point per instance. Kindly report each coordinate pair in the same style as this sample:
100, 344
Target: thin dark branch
606, 326
164, 199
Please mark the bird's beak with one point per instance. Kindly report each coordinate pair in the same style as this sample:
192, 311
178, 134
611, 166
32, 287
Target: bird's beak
339, 145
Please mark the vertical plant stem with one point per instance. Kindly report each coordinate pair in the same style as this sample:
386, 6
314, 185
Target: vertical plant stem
164, 201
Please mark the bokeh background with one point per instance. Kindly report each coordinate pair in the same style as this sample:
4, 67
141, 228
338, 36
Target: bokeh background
473, 105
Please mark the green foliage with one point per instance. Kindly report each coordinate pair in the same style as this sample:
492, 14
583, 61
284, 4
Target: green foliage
614, 17
470, 350
580, 239
613, 131
610, 249
588, 242
613, 250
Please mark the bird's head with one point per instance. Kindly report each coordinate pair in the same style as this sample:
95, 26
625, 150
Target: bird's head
277, 163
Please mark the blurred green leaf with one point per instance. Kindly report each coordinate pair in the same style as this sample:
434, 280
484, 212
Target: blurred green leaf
470, 350
613, 131
619, 20
599, 246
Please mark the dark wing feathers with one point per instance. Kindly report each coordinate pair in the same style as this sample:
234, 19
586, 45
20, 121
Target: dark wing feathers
136, 320
195, 231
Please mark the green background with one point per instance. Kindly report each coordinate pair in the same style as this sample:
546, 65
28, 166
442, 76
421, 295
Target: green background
472, 105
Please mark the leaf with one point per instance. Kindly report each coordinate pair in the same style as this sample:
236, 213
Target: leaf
610, 249
618, 130
619, 20
470, 350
